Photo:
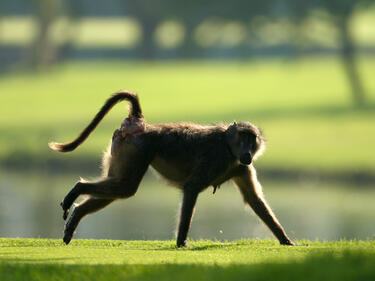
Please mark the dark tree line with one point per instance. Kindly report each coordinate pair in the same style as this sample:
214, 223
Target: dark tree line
192, 13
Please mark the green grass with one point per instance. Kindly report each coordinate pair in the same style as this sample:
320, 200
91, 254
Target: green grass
304, 106
42, 259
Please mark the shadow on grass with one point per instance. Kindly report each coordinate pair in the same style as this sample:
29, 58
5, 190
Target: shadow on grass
348, 265
36, 260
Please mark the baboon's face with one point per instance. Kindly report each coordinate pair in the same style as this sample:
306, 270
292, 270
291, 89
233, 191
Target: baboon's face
244, 141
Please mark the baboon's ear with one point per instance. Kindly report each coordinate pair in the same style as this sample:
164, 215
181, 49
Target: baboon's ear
232, 131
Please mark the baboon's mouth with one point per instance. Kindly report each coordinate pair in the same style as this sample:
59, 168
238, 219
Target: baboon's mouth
246, 159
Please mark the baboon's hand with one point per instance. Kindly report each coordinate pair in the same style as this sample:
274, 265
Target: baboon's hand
288, 243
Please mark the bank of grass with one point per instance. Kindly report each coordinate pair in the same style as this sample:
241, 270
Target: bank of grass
45, 259
304, 107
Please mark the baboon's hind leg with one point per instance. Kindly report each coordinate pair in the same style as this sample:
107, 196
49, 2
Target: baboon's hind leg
109, 188
87, 206
122, 186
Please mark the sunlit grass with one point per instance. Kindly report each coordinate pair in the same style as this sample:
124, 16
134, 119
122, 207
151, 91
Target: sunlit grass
36, 259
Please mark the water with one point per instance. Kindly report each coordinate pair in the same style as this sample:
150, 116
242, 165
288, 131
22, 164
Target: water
29, 207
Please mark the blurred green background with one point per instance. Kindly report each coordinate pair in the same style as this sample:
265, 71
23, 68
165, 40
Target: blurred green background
301, 70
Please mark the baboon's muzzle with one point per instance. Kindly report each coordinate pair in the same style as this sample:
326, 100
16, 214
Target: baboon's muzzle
246, 158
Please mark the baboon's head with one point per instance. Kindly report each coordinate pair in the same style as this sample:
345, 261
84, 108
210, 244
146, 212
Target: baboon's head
245, 141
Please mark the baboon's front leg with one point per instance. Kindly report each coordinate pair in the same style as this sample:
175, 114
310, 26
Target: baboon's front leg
201, 177
187, 209
84, 208
251, 191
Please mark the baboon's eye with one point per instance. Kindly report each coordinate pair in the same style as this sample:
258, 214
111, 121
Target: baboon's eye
252, 137
243, 136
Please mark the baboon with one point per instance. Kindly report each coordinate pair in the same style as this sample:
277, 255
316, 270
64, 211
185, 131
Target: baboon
132, 125
191, 157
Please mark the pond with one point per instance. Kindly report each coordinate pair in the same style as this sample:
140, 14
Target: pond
29, 207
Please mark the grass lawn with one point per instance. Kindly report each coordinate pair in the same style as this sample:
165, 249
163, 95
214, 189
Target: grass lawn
304, 107
44, 259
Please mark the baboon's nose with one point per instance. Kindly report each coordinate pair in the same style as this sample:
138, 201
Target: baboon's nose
246, 158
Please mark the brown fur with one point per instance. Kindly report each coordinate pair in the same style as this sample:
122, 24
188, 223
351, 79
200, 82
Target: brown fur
192, 157
132, 126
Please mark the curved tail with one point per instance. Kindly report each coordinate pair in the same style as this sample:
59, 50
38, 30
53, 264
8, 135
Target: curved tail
135, 110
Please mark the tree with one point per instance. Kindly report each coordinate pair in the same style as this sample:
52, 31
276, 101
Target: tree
43, 51
341, 12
